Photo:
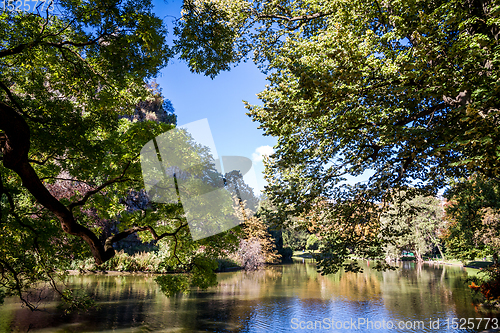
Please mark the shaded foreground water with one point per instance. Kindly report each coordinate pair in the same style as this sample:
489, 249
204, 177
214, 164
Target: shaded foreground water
285, 298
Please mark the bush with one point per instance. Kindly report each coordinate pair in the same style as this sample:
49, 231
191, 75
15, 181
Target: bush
250, 254
286, 254
312, 242
225, 264
123, 262
488, 286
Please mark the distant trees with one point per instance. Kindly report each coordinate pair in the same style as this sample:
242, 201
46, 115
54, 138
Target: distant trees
416, 225
312, 242
295, 237
473, 217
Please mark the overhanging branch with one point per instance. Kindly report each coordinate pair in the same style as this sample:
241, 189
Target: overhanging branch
421, 114
302, 19
115, 238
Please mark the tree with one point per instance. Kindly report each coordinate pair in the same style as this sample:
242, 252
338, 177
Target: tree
408, 90
418, 223
312, 242
256, 246
473, 219
73, 119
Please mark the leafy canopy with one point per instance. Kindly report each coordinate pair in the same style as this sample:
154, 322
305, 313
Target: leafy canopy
407, 90
75, 111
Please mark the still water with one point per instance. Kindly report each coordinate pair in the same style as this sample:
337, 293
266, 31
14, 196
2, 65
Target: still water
285, 298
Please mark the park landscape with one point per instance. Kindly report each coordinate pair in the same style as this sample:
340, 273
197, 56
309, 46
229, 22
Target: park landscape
384, 184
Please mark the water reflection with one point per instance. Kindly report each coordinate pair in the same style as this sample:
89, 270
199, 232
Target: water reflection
277, 299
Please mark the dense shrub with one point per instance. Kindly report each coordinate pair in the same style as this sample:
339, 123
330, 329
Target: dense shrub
312, 242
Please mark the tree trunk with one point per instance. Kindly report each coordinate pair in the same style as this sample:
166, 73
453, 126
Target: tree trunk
440, 251
15, 147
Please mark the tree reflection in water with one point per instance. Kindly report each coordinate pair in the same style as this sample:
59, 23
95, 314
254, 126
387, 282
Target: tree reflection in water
264, 300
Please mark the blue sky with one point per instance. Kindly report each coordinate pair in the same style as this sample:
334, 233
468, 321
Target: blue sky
196, 97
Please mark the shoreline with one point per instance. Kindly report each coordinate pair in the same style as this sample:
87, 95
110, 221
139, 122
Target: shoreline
74, 272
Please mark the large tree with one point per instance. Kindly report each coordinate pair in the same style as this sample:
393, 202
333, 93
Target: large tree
408, 90
419, 224
73, 119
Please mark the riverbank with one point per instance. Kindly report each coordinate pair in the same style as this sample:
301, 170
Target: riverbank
138, 263
475, 264
150, 263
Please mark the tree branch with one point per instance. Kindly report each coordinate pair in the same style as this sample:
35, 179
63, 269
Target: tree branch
18, 286
15, 157
115, 238
293, 19
404, 167
421, 114
87, 195
16, 104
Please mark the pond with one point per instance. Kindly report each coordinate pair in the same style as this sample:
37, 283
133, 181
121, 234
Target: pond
283, 298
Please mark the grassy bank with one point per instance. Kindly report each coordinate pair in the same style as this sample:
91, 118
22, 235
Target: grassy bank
151, 262
479, 263
307, 254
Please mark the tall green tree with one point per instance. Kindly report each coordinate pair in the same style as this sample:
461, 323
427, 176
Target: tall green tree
64, 81
75, 112
407, 90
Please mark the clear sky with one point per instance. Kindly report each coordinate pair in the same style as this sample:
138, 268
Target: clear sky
196, 97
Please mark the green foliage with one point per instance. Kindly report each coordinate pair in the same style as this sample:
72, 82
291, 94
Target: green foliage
416, 225
173, 284
139, 262
75, 300
201, 275
472, 215
75, 111
286, 253
196, 44
312, 242
203, 272
407, 90
487, 285
225, 264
